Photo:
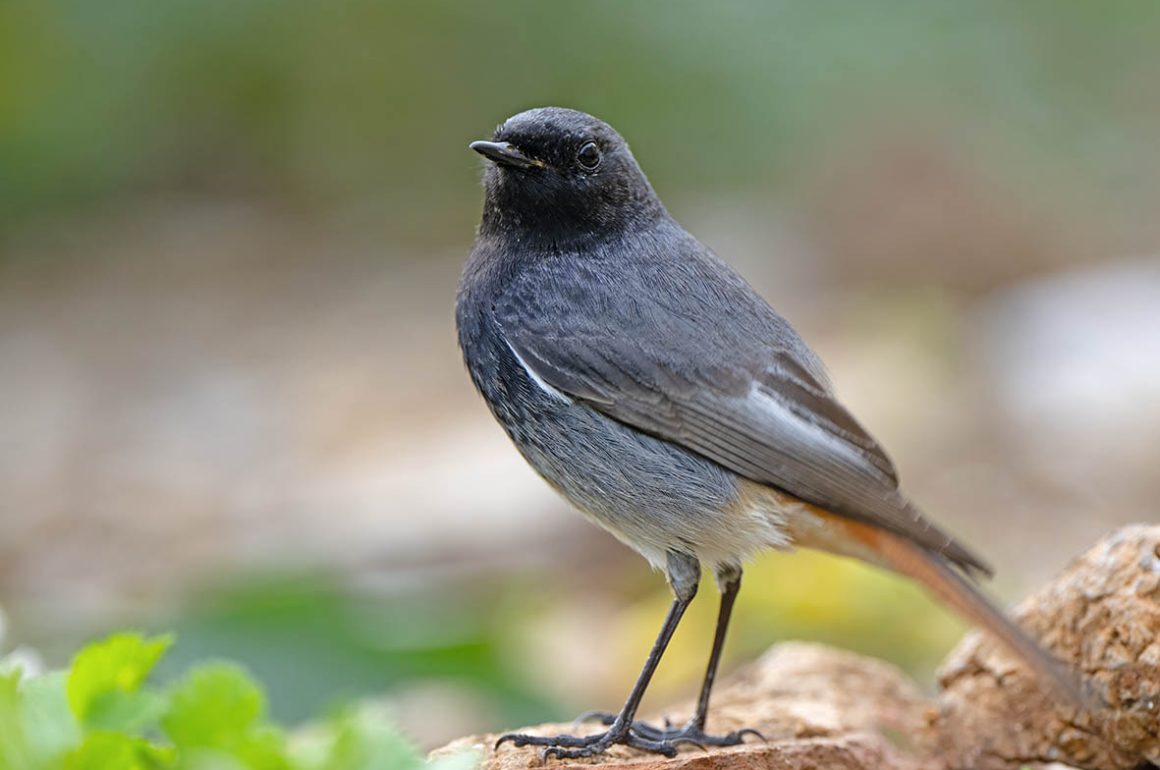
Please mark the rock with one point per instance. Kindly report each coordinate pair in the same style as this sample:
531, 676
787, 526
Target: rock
853, 752
1102, 616
823, 708
818, 707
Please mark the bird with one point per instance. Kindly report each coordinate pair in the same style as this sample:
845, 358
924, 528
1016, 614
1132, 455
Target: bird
647, 382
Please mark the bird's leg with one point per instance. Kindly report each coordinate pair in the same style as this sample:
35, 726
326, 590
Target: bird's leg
684, 573
729, 583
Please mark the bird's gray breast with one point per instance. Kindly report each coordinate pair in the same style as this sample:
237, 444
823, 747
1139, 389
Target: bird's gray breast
652, 494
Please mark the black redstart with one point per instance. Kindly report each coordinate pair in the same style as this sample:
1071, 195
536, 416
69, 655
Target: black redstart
647, 382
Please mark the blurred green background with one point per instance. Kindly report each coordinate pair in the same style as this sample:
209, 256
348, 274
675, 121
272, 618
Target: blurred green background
230, 234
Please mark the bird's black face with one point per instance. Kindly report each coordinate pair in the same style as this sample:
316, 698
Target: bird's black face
560, 175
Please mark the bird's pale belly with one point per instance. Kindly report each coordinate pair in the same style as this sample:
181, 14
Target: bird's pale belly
651, 494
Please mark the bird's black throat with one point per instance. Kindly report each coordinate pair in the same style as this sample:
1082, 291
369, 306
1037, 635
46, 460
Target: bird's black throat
538, 207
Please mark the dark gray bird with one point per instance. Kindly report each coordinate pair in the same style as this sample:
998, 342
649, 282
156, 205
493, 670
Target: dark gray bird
649, 384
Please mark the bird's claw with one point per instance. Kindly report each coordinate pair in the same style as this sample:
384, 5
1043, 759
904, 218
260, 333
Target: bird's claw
573, 747
638, 735
749, 731
596, 715
694, 734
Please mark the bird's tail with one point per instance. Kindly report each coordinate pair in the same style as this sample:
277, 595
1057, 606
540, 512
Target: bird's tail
958, 592
847, 537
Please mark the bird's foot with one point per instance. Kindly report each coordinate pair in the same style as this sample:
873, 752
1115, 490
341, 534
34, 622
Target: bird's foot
573, 747
692, 734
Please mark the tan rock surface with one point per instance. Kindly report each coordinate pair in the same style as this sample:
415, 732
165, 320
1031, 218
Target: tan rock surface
817, 706
1102, 615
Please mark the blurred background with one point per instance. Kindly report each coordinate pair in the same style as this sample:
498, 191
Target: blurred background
231, 402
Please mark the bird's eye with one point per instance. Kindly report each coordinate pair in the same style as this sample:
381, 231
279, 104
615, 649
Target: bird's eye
589, 156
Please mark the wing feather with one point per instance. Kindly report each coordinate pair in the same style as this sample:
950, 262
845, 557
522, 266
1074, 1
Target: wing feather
713, 387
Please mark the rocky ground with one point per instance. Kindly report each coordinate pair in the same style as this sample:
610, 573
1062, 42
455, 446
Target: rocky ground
821, 708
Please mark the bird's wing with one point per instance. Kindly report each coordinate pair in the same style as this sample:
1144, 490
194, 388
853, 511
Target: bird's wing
752, 407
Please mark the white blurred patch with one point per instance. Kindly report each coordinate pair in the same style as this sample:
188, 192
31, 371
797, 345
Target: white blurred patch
25, 660
1075, 359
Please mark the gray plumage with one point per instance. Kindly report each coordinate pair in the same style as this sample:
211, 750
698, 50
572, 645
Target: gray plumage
640, 374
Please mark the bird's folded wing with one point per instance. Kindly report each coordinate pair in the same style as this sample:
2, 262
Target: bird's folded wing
767, 420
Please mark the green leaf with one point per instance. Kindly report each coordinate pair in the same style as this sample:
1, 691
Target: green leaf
218, 710
118, 664
14, 751
208, 759
213, 706
96, 717
49, 726
363, 739
103, 750
126, 712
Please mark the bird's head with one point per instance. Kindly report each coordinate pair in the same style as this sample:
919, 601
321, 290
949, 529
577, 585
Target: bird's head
561, 175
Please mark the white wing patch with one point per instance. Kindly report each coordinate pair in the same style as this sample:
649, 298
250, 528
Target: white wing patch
544, 386
768, 409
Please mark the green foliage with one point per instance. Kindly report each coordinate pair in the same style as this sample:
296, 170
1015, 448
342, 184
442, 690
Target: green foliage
104, 713
361, 645
356, 98
105, 683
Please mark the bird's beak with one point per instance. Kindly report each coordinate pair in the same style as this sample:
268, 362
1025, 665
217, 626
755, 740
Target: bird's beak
505, 154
